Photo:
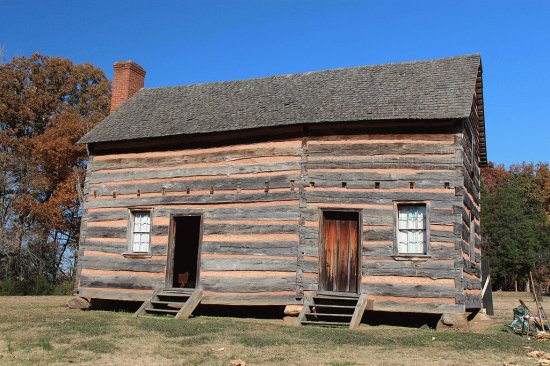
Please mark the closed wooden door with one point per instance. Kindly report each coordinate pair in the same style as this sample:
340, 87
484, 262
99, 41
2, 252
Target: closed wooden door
339, 262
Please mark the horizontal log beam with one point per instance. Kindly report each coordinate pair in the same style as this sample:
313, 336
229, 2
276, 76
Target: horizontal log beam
412, 307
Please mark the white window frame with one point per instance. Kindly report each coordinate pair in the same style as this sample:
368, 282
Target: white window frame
131, 231
397, 229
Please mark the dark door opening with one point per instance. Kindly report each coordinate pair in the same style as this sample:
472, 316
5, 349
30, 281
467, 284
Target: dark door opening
187, 230
339, 265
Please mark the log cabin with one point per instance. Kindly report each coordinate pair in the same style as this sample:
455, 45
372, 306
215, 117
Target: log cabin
345, 191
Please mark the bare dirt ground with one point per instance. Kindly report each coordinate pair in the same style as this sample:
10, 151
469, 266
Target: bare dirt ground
43, 331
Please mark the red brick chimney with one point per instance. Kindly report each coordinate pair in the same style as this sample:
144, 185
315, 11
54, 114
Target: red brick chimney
128, 79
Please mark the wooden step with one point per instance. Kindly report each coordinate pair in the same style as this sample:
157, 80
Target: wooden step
176, 302
334, 294
190, 304
331, 315
172, 304
173, 294
180, 290
332, 306
315, 322
332, 298
161, 311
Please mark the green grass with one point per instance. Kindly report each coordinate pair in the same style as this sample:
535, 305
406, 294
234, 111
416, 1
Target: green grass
9, 340
37, 333
45, 344
96, 345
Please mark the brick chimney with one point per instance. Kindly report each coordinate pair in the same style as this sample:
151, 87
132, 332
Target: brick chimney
128, 79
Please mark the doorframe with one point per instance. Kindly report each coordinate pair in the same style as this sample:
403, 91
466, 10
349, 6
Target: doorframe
321, 249
169, 275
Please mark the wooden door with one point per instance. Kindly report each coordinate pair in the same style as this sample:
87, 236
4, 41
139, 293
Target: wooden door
339, 262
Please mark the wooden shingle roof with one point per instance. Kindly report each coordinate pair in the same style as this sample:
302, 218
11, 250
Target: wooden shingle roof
427, 90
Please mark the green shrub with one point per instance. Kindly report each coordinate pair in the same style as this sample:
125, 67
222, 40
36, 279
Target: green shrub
34, 287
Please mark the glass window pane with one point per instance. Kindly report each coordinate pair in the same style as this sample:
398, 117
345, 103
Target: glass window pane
411, 217
135, 244
145, 228
402, 242
142, 222
143, 246
403, 217
141, 231
411, 236
145, 238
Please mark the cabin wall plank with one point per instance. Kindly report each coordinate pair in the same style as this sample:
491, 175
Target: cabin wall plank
286, 184
471, 203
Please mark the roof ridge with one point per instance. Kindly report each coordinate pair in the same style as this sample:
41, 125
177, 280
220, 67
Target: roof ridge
221, 82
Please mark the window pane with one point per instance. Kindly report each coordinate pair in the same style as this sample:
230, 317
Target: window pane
137, 226
411, 235
141, 232
146, 219
410, 242
145, 239
136, 242
402, 242
403, 217
142, 245
411, 217
142, 222
145, 228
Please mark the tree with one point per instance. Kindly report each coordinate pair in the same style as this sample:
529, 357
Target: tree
515, 226
46, 105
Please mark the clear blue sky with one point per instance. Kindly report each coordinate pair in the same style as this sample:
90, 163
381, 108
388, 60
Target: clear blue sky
182, 42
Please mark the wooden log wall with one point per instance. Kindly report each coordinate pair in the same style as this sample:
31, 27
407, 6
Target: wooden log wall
369, 172
248, 195
471, 203
262, 247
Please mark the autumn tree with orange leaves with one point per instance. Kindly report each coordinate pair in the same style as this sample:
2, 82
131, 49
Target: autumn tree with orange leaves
46, 105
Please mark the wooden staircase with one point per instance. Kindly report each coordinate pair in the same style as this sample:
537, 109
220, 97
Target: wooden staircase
334, 309
178, 303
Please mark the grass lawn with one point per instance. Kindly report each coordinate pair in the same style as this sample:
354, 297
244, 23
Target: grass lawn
43, 331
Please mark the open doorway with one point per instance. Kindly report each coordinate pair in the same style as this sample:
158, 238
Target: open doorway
185, 251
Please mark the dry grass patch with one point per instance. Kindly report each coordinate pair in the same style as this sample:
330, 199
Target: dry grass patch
42, 331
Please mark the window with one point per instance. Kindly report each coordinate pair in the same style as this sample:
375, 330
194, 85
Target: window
140, 236
412, 235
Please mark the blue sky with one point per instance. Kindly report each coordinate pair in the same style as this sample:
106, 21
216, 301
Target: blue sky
182, 42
